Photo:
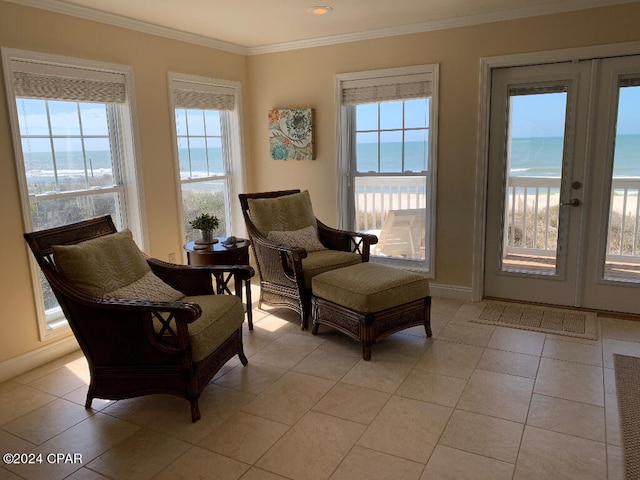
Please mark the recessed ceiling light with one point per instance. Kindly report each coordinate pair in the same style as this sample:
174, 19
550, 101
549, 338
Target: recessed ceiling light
320, 9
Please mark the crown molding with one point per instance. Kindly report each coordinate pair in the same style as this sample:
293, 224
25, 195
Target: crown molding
465, 21
131, 24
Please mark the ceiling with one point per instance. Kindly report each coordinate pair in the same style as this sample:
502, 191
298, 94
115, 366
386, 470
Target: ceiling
262, 26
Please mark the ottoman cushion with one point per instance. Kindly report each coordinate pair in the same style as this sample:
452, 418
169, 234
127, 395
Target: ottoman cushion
370, 287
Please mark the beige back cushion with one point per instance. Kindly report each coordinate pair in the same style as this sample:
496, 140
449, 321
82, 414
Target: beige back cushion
103, 264
286, 213
306, 238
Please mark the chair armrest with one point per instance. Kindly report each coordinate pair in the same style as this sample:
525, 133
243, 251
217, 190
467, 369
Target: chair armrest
196, 279
347, 241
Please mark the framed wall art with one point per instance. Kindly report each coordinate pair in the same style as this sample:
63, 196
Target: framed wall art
291, 134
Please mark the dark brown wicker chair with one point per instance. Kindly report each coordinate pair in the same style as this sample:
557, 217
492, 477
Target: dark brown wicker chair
128, 356
281, 267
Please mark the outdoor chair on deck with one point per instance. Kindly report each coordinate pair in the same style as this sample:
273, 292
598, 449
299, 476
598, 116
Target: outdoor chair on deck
291, 246
145, 326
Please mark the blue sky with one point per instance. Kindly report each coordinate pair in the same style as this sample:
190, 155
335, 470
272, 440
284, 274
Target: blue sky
543, 115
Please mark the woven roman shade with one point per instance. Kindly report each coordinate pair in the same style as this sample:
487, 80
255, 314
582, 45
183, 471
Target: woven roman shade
192, 95
57, 82
374, 90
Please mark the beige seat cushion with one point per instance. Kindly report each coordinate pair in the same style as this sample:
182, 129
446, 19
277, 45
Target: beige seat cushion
283, 214
370, 287
221, 316
325, 260
103, 264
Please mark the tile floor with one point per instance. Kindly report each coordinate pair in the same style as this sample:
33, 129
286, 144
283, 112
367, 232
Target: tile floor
473, 402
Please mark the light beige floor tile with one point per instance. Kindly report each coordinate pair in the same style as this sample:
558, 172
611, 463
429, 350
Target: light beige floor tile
7, 386
59, 382
384, 372
450, 359
313, 448
143, 410
550, 455
217, 404
10, 443
497, 395
469, 311
565, 416
406, 428
610, 381
518, 341
244, 437
402, 343
445, 306
289, 398
254, 378
487, 436
275, 323
258, 474
20, 400
615, 463
364, 464
627, 330
200, 464
90, 438
7, 475
431, 387
469, 334
573, 352
281, 355
438, 322
142, 456
510, 363
333, 367
351, 402
612, 415
452, 464
48, 368
610, 347
339, 344
79, 396
567, 338
86, 474
45, 422
571, 381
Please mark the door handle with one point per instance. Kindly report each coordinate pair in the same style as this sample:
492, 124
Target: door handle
574, 202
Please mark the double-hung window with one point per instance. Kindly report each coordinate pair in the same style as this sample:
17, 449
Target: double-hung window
386, 168
208, 148
75, 156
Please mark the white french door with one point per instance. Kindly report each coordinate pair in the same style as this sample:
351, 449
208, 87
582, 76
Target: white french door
563, 216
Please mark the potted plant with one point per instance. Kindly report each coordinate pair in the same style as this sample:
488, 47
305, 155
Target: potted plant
206, 224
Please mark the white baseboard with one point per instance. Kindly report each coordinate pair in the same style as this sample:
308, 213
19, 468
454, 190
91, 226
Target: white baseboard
28, 361
464, 294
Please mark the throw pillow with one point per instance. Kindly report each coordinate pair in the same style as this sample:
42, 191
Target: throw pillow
150, 288
286, 213
306, 238
102, 264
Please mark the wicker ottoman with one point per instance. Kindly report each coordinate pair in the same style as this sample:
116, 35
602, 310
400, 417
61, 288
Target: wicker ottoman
369, 301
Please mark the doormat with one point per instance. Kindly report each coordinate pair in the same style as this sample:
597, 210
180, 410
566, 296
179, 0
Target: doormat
543, 319
627, 373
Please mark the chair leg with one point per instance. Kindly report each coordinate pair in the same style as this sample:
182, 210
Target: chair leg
89, 401
195, 410
243, 357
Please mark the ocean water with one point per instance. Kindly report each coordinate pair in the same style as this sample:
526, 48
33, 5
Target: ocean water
540, 156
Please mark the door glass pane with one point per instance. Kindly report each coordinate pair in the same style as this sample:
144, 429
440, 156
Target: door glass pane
623, 244
535, 145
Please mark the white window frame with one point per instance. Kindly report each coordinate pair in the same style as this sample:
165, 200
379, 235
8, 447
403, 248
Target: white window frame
232, 140
132, 214
346, 150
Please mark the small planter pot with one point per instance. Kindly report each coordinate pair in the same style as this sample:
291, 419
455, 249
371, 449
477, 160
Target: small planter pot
207, 238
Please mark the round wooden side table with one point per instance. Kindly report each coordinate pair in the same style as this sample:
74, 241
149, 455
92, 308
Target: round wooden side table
218, 254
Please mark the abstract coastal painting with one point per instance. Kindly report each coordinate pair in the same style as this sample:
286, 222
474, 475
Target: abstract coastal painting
291, 134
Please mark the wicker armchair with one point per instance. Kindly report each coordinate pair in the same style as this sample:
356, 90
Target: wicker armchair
136, 346
286, 268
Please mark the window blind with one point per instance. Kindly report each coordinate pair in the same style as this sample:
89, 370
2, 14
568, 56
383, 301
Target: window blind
203, 96
374, 90
56, 82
